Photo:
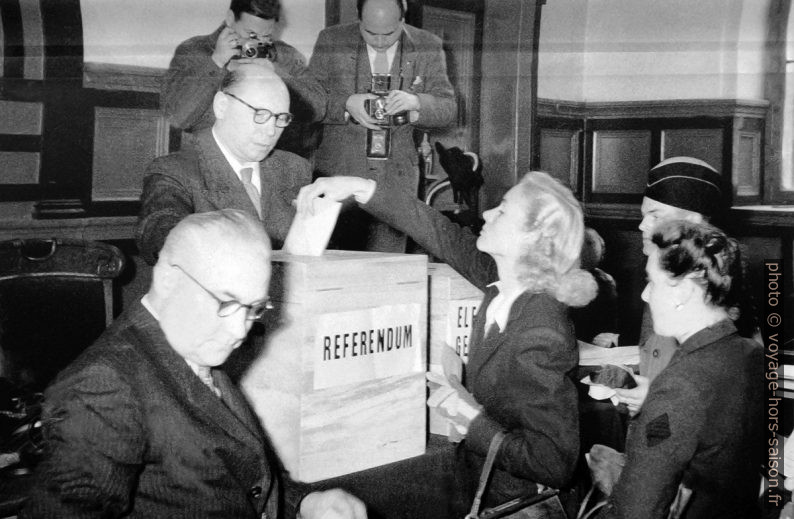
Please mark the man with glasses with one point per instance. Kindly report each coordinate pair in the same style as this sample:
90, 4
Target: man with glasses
247, 34
142, 424
231, 165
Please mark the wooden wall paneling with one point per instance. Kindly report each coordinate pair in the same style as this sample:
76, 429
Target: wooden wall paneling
508, 92
620, 163
458, 31
705, 144
13, 39
125, 142
20, 118
20, 167
559, 152
775, 92
747, 158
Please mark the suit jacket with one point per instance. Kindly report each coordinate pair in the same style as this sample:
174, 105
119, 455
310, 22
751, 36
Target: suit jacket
131, 431
521, 375
341, 65
702, 424
199, 179
193, 79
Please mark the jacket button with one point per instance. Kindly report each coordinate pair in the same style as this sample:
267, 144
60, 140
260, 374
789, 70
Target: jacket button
655, 353
255, 492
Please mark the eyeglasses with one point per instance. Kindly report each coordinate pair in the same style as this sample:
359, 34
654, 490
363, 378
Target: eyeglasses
263, 115
231, 306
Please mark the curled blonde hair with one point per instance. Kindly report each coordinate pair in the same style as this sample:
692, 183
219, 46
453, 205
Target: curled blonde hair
551, 262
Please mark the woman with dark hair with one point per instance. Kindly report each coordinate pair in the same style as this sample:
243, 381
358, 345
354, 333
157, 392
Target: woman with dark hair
695, 447
523, 348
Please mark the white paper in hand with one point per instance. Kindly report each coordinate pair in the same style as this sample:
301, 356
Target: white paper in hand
309, 233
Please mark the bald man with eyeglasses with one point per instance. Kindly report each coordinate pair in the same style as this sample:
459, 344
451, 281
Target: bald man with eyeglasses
144, 424
233, 164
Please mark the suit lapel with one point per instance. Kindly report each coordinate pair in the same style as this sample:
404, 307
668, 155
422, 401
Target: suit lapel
222, 187
407, 54
185, 385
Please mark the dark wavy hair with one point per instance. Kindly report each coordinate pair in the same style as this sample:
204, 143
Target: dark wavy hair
713, 260
266, 9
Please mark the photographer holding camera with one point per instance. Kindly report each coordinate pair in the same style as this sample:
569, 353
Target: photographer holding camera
383, 78
200, 63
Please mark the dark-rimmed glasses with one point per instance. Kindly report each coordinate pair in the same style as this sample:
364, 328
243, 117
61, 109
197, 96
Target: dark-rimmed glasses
231, 306
263, 115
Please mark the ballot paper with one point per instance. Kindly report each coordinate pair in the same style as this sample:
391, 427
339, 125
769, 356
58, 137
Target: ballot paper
310, 232
592, 355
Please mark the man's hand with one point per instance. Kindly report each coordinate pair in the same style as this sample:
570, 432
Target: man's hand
355, 107
336, 189
634, 398
226, 47
332, 504
400, 101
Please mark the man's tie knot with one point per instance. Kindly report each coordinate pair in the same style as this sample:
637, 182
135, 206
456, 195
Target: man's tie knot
246, 173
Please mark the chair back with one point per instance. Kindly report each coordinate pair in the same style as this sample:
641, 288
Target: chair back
56, 298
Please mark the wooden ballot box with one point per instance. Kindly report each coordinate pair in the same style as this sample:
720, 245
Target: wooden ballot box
339, 383
453, 301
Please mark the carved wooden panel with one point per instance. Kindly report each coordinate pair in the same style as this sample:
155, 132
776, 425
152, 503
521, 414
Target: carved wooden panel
457, 30
705, 144
620, 161
747, 164
559, 155
19, 167
125, 141
19, 118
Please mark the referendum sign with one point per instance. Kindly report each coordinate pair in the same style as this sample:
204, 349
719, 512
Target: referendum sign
367, 344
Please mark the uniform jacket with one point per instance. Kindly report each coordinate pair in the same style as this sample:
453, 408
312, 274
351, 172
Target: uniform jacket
193, 79
341, 66
701, 424
131, 431
199, 179
520, 376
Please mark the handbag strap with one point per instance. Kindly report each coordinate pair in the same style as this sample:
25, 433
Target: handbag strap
493, 449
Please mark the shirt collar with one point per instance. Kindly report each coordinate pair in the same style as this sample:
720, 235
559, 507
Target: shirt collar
498, 310
236, 164
390, 52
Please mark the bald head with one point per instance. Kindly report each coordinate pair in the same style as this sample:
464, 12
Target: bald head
249, 88
201, 238
381, 22
211, 277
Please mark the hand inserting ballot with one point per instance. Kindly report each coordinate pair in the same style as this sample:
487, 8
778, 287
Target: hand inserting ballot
453, 402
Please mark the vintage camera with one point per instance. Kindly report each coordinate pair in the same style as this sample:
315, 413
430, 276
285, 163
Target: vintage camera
255, 48
376, 108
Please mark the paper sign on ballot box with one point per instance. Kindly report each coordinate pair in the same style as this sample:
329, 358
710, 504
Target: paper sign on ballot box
363, 345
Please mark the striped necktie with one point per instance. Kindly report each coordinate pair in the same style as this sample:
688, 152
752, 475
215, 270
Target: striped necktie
253, 194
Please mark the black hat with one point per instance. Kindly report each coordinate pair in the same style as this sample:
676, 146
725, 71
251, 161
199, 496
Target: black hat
687, 183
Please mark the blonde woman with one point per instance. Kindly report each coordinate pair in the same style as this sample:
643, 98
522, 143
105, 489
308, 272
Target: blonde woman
523, 347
